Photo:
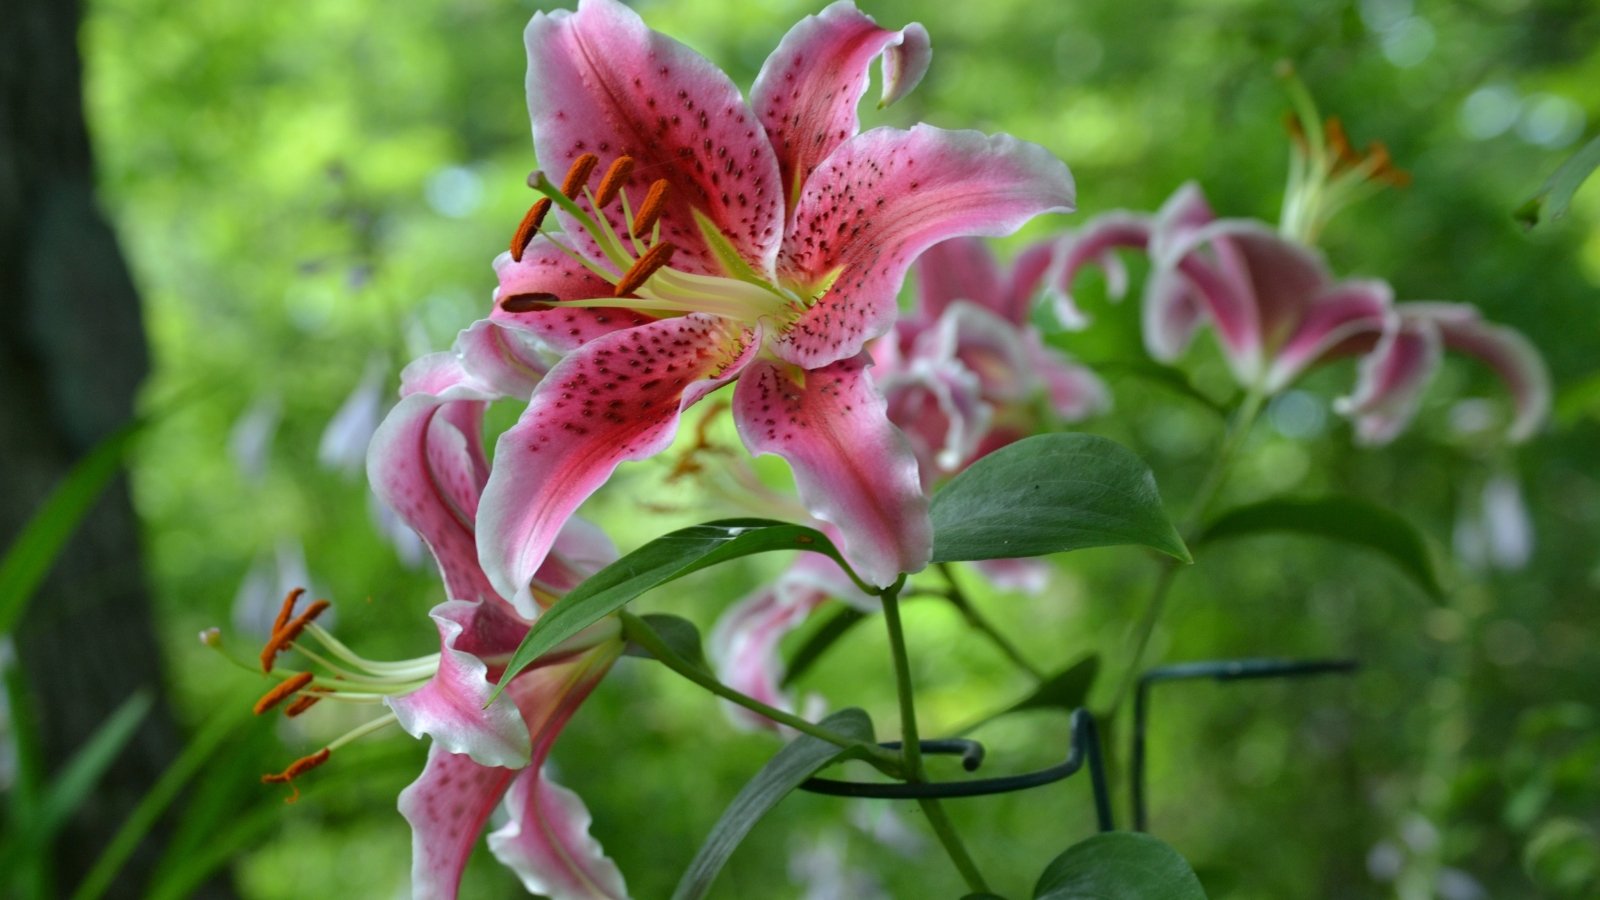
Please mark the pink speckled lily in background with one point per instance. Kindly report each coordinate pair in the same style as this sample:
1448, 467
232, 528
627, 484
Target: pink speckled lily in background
763, 242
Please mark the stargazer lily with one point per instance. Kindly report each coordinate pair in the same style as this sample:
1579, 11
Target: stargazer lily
427, 462
1277, 310
704, 239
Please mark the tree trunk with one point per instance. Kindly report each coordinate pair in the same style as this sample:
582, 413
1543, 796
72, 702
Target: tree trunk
72, 354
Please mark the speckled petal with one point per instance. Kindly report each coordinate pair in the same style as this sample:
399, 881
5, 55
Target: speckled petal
601, 82
809, 88
617, 398
447, 807
883, 198
852, 467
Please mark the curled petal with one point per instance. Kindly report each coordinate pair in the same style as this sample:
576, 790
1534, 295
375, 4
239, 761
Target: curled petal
601, 82
1391, 380
545, 272
547, 842
883, 198
1333, 318
507, 362
1185, 212
450, 708
447, 807
852, 467
617, 398
1094, 244
744, 648
1171, 315
808, 90
1505, 350
1028, 273
939, 407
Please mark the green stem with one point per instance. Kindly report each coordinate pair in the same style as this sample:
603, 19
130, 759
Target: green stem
1207, 493
639, 632
911, 746
959, 597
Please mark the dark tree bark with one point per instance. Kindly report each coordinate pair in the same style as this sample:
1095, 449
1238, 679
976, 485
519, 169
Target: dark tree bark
72, 354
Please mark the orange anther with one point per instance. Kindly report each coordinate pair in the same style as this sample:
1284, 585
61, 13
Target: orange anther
611, 184
287, 609
650, 211
578, 175
1339, 142
529, 227
652, 260
297, 768
285, 636
301, 704
279, 692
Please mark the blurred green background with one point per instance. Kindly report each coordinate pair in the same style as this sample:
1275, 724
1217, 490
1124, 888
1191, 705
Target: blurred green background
310, 195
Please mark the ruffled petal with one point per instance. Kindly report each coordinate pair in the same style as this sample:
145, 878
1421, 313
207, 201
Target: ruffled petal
601, 82
808, 90
959, 269
883, 198
617, 398
1505, 350
447, 807
547, 274
1093, 244
1171, 315
990, 347
852, 467
450, 708
506, 362
547, 841
939, 407
1338, 314
744, 649
1028, 273
1391, 380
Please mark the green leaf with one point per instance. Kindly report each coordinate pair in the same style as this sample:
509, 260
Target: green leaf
1049, 493
1346, 519
1119, 865
83, 771
1065, 690
817, 643
679, 634
1167, 377
664, 559
792, 765
1550, 202
34, 551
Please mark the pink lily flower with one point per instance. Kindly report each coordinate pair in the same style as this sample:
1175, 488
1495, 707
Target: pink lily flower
1277, 311
761, 242
427, 462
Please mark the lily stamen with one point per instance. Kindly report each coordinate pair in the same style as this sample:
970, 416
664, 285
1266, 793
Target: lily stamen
578, 175
529, 227
286, 611
653, 261
282, 691
611, 184
283, 637
655, 203
297, 768
303, 703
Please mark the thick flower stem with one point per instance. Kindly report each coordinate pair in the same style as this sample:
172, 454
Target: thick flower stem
1238, 430
639, 632
911, 747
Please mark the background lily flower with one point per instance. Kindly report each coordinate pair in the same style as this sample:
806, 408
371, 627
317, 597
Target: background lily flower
762, 241
1277, 311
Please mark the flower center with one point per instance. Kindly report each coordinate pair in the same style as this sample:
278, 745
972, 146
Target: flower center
1325, 173
636, 261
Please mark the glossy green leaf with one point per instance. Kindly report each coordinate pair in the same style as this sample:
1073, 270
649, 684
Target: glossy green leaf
34, 551
824, 636
1346, 519
664, 559
1550, 201
1049, 493
1119, 865
679, 634
799, 760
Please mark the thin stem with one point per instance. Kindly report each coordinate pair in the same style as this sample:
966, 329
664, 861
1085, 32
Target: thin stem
1209, 488
911, 746
974, 618
640, 632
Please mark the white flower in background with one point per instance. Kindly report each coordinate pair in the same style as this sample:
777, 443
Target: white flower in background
343, 447
1493, 530
250, 439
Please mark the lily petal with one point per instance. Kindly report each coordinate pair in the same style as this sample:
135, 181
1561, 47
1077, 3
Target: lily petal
1094, 244
1171, 315
1028, 273
938, 406
1505, 350
1335, 316
744, 648
600, 81
1391, 379
545, 271
852, 467
617, 398
447, 807
809, 88
507, 362
990, 347
958, 269
1074, 390
883, 198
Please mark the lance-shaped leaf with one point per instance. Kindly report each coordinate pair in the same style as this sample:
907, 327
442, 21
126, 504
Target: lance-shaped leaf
1119, 865
1346, 519
1550, 201
664, 559
792, 765
1049, 493
679, 634
817, 643
1066, 690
